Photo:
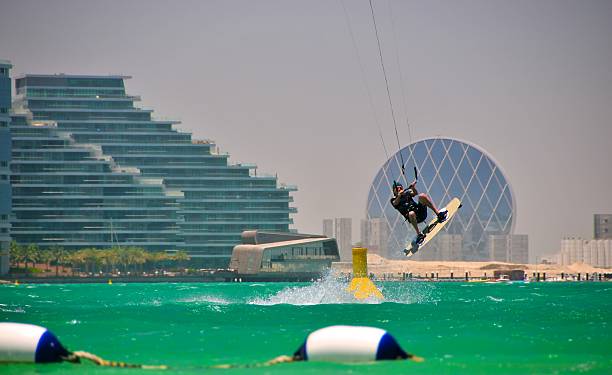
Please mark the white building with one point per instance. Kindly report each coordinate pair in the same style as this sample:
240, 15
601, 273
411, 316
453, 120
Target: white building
328, 228
340, 228
343, 230
513, 248
597, 253
444, 247
498, 247
375, 236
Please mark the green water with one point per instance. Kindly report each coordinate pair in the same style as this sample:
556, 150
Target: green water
459, 328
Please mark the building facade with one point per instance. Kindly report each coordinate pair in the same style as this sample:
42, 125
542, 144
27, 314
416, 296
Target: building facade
343, 232
447, 168
518, 248
90, 169
603, 226
340, 228
375, 236
5, 160
328, 228
512, 248
597, 253
283, 256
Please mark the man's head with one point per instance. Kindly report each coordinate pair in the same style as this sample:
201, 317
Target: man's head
397, 188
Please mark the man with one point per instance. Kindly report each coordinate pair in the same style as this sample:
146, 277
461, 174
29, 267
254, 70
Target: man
414, 212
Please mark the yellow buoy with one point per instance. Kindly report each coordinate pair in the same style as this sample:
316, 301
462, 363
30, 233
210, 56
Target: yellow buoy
110, 282
16, 282
361, 286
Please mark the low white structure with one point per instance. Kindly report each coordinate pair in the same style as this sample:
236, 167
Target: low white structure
283, 256
597, 253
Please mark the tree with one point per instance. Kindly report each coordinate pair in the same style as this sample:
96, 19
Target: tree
45, 257
92, 259
32, 252
123, 257
77, 259
157, 258
16, 253
137, 256
180, 257
109, 258
58, 255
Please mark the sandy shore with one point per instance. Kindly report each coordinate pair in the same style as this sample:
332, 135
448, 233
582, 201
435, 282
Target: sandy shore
382, 267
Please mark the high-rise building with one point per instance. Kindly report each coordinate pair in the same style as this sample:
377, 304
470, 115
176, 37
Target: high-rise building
498, 247
328, 228
90, 169
447, 168
343, 234
5, 159
603, 226
375, 235
518, 248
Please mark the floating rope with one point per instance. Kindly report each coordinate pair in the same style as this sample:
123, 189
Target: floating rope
75, 357
274, 361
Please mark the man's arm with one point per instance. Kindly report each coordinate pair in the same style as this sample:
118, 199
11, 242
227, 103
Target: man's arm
412, 187
395, 200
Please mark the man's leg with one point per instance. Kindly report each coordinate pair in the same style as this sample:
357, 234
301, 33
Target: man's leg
412, 218
426, 201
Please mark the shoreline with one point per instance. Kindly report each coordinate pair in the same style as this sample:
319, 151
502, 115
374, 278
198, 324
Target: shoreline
379, 269
383, 268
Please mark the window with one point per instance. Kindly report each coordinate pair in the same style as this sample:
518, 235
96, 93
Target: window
3, 124
3, 110
3, 177
3, 163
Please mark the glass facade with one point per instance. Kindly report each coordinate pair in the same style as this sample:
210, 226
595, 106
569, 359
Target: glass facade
274, 253
313, 257
5, 159
90, 167
447, 168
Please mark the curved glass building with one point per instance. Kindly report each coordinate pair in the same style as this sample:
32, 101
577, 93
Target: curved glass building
447, 168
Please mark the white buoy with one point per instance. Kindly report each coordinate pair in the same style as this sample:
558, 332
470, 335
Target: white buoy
350, 344
29, 343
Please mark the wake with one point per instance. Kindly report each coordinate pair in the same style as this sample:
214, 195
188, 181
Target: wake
333, 290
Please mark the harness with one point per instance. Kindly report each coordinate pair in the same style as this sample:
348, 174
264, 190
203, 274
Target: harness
405, 204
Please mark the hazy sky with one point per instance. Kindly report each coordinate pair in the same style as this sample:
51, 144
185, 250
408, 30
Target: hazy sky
280, 84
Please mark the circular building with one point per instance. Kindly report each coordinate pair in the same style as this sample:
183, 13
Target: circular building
447, 168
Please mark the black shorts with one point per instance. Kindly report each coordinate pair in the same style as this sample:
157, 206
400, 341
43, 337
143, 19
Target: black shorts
421, 212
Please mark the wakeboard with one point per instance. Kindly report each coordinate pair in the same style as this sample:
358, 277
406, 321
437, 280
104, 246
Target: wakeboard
433, 227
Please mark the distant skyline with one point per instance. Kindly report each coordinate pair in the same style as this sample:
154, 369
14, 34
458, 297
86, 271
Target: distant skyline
279, 84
